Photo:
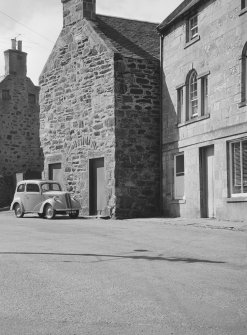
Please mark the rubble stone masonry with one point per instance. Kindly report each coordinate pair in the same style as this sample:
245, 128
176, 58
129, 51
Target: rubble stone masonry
19, 138
97, 104
77, 110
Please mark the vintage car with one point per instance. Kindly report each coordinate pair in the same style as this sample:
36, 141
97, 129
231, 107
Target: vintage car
44, 197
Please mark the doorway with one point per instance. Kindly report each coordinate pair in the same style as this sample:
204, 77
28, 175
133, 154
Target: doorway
207, 182
97, 201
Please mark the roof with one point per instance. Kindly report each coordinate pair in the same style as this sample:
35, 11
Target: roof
130, 38
181, 10
36, 181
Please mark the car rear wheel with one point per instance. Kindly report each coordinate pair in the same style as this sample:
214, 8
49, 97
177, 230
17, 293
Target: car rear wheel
74, 215
49, 212
18, 211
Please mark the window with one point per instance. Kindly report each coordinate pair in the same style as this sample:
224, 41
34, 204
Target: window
192, 28
31, 98
244, 75
179, 176
180, 103
50, 187
243, 4
21, 188
204, 95
238, 167
32, 188
192, 94
196, 95
5, 95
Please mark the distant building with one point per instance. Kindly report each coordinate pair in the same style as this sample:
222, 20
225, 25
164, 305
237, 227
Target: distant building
204, 144
100, 112
20, 152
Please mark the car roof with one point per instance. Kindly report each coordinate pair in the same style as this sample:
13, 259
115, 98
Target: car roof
36, 181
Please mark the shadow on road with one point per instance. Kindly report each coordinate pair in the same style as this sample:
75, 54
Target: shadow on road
143, 257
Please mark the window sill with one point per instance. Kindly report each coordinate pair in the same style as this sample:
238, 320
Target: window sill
237, 199
242, 104
243, 11
194, 40
177, 201
196, 119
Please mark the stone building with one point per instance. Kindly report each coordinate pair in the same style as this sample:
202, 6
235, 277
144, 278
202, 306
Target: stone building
204, 143
20, 151
100, 112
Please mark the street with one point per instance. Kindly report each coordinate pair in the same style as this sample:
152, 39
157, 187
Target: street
129, 277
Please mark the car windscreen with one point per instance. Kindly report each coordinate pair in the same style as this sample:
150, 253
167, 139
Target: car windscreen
50, 187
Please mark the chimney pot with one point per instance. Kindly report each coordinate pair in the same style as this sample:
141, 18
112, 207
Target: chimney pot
20, 45
13, 44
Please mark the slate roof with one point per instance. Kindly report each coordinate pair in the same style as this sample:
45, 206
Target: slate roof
181, 10
130, 38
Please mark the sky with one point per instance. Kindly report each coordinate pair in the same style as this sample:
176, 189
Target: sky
38, 23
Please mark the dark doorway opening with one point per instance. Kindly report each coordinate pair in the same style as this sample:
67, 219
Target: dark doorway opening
97, 201
207, 196
55, 172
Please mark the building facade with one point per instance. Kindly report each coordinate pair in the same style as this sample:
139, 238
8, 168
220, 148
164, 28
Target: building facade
100, 112
204, 104
20, 151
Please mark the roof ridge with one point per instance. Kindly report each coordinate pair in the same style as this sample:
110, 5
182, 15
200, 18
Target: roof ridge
126, 19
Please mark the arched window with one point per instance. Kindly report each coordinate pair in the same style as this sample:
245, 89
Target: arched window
244, 75
192, 95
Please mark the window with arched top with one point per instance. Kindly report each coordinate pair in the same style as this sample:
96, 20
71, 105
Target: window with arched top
244, 75
192, 95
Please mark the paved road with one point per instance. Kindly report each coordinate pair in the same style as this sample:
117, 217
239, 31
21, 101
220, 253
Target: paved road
131, 277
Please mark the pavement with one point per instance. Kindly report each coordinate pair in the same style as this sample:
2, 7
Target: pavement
196, 222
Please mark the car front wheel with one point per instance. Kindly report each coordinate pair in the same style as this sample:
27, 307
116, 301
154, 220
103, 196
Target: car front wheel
49, 212
74, 215
18, 211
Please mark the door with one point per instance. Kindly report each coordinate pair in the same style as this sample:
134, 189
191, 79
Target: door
97, 200
207, 182
55, 172
32, 198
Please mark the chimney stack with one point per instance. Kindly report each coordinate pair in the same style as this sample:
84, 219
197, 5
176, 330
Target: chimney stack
15, 60
76, 10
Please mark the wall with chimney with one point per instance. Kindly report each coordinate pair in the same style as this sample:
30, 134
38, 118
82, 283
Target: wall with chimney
97, 104
77, 110
20, 150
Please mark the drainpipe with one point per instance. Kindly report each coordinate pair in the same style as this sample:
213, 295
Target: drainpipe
161, 123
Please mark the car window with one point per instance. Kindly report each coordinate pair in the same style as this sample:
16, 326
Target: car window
50, 187
21, 188
32, 188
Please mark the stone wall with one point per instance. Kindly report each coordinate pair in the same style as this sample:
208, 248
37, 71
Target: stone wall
137, 88
77, 110
223, 34
19, 138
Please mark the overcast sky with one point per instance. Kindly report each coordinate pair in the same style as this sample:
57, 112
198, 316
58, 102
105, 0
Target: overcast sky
38, 23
